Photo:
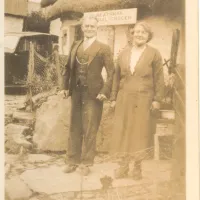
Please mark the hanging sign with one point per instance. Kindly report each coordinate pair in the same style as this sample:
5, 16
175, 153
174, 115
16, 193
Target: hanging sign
114, 17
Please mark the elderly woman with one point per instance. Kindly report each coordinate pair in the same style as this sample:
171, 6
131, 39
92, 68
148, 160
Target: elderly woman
137, 92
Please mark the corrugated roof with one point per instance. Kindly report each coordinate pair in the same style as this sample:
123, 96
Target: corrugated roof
23, 34
16, 7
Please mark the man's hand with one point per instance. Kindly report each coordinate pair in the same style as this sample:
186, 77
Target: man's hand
155, 105
113, 103
64, 93
101, 97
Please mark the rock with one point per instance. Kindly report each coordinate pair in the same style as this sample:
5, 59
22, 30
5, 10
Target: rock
29, 138
70, 195
15, 141
52, 124
8, 117
59, 196
16, 129
24, 117
19, 166
7, 169
16, 189
10, 159
15, 138
8, 114
38, 158
60, 162
87, 195
34, 198
40, 180
44, 95
156, 170
20, 139
42, 165
30, 166
8, 120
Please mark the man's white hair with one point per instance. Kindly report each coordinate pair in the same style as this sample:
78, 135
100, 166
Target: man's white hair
85, 17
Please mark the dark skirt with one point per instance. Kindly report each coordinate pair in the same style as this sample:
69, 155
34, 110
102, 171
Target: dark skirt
132, 123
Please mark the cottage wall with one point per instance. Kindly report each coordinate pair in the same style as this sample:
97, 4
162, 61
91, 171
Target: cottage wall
55, 29
163, 29
116, 36
13, 24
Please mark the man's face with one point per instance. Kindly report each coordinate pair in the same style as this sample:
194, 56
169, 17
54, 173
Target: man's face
89, 27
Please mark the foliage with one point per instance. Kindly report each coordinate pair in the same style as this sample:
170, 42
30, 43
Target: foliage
37, 22
44, 81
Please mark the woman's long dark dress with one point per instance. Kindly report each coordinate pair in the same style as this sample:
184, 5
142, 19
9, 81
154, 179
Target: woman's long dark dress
134, 94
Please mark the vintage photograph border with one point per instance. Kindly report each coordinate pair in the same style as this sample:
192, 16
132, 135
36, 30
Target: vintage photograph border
192, 101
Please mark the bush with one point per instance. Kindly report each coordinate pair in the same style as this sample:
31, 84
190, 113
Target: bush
37, 22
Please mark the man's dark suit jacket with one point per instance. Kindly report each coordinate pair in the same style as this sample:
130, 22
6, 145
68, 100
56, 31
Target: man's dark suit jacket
100, 57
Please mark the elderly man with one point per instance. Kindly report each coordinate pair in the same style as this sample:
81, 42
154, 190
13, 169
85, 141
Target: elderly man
84, 83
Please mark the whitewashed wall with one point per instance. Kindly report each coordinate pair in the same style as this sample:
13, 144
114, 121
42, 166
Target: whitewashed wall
55, 29
13, 24
60, 28
162, 28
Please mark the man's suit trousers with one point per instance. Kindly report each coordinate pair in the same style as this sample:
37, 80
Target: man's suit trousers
85, 120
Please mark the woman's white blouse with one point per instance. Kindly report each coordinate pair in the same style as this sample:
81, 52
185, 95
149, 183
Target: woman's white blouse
135, 56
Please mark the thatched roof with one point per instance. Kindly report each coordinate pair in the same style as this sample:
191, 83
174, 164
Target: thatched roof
16, 7
45, 3
65, 8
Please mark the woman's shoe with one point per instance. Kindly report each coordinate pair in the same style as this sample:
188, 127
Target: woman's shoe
69, 168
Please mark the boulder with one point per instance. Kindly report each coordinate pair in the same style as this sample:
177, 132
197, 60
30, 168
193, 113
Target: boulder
52, 124
39, 158
16, 189
26, 118
15, 138
7, 120
14, 143
11, 129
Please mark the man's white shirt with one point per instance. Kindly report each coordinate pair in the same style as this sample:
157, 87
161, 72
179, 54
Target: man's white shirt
88, 42
135, 56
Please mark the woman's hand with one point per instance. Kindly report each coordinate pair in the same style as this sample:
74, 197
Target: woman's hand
113, 103
155, 105
64, 93
101, 97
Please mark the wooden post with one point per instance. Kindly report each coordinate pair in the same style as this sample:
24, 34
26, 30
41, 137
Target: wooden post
58, 70
174, 50
30, 76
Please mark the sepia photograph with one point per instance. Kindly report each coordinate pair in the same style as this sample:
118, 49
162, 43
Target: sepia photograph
95, 100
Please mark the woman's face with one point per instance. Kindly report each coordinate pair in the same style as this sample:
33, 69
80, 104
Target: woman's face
139, 35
